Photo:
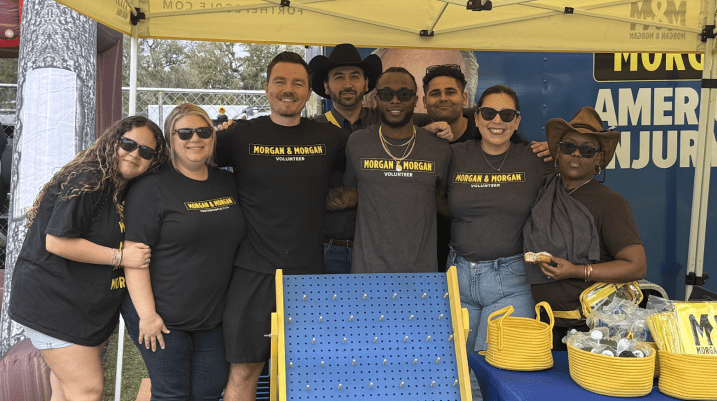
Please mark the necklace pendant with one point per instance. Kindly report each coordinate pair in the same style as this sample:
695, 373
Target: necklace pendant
398, 166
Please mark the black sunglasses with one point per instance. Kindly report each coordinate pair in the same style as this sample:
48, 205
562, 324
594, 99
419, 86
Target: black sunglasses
586, 151
186, 134
387, 94
129, 146
437, 66
507, 115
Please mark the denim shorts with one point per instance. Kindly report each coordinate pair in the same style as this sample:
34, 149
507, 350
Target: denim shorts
43, 341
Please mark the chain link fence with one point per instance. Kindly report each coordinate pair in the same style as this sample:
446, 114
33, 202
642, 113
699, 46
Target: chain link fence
8, 94
156, 103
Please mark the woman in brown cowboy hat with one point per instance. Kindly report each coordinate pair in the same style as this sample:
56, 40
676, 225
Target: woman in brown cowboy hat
587, 227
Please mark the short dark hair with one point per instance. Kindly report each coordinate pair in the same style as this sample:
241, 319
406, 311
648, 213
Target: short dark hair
288, 57
399, 70
444, 71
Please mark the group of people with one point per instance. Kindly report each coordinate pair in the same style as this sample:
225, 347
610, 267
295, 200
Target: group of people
197, 247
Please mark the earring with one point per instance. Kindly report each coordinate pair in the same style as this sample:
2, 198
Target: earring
599, 169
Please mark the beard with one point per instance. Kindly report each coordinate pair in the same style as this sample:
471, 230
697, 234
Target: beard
347, 103
393, 124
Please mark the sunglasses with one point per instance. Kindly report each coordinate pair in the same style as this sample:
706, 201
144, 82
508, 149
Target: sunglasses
387, 94
186, 134
129, 146
586, 151
451, 66
507, 115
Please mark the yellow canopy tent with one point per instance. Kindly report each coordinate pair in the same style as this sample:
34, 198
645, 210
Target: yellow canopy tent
685, 26
531, 25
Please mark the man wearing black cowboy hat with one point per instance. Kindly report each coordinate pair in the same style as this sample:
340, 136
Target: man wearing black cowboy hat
345, 78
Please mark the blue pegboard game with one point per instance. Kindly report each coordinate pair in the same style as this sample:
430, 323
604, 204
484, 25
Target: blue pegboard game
370, 337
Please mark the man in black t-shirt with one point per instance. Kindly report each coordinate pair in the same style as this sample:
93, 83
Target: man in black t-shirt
281, 164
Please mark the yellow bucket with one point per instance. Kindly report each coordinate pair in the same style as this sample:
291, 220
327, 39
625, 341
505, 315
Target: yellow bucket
610, 375
520, 343
688, 376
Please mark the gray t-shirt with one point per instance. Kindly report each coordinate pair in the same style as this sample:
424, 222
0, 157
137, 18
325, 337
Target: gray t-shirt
490, 207
396, 223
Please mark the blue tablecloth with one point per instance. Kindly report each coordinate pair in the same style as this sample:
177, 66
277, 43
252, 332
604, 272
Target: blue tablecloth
552, 384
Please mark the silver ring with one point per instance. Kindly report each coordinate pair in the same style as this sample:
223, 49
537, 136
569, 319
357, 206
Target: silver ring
146, 261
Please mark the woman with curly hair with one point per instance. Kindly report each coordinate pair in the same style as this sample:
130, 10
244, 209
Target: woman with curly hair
68, 282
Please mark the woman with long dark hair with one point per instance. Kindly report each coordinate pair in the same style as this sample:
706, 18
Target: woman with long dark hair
494, 180
68, 283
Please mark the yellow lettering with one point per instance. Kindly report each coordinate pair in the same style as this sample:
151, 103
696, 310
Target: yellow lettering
674, 60
655, 64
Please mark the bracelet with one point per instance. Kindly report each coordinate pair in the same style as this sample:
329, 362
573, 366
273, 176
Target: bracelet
588, 272
114, 258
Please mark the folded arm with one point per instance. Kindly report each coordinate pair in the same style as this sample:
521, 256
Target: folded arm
341, 198
84, 251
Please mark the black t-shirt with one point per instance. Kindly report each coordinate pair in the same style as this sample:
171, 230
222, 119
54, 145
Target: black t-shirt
341, 224
282, 175
193, 228
73, 301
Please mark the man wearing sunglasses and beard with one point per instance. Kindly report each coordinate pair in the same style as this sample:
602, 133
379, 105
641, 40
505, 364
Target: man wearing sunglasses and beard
281, 165
345, 78
396, 169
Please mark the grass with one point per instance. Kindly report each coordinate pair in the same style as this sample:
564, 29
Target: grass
133, 370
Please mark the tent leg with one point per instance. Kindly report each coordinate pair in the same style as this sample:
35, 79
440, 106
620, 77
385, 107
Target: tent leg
132, 111
133, 73
703, 162
120, 356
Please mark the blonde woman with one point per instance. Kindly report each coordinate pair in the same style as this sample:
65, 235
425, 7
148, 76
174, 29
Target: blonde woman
188, 213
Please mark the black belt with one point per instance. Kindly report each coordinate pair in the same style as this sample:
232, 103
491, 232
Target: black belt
339, 242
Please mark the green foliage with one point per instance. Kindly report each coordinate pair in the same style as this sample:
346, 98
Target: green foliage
133, 370
8, 70
201, 65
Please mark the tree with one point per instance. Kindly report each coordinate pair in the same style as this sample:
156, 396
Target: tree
258, 56
201, 65
215, 65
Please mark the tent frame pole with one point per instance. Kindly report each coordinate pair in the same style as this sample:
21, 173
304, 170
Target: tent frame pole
132, 111
703, 162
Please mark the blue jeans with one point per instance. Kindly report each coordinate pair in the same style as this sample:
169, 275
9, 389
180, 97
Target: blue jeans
192, 366
337, 259
489, 286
